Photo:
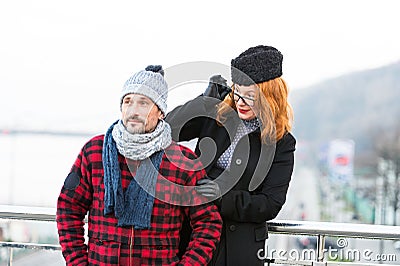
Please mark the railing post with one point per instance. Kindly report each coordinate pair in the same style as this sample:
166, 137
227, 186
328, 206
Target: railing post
10, 256
320, 248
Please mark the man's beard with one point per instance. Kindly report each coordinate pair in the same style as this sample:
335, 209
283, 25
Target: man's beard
138, 128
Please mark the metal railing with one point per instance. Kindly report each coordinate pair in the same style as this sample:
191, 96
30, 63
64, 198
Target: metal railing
289, 227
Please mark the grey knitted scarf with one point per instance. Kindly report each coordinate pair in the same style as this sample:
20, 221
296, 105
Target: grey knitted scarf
141, 146
134, 206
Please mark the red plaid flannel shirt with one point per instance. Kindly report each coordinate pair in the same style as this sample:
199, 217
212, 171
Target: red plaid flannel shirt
110, 244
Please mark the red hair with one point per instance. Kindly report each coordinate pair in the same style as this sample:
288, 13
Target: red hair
271, 107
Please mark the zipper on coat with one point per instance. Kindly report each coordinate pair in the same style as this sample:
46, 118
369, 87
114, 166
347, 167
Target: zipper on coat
131, 248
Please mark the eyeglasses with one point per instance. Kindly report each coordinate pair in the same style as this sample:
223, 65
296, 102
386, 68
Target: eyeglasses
246, 100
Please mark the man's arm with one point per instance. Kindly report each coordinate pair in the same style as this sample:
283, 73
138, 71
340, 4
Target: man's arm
206, 223
72, 205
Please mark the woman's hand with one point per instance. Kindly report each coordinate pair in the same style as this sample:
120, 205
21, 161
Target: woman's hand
208, 188
217, 88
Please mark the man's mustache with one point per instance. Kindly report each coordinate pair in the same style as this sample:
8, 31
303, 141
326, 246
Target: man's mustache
136, 118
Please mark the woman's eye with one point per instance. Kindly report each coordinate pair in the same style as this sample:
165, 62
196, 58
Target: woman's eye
250, 96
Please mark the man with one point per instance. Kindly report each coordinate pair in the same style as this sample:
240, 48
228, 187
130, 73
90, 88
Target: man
132, 183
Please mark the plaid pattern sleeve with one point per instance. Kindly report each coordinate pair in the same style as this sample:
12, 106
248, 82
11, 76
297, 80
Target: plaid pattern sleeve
204, 218
73, 203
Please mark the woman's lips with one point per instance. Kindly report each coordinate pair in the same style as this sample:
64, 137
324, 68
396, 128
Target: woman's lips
242, 111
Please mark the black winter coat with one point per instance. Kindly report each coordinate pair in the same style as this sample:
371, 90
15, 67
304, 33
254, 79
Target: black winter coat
244, 211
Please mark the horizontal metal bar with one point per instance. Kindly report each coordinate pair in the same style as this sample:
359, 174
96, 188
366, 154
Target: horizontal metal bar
27, 213
29, 246
372, 231
274, 226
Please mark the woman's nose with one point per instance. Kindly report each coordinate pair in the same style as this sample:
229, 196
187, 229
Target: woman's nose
241, 101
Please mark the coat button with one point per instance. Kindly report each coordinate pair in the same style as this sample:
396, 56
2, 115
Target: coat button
232, 227
238, 161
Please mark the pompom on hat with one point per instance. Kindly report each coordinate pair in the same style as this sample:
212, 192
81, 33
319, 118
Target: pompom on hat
150, 83
257, 64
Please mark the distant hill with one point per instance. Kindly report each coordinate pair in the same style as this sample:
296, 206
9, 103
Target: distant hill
355, 106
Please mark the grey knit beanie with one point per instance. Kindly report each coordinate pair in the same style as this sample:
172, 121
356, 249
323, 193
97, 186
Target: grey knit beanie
150, 83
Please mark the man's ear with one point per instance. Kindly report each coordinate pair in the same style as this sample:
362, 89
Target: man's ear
161, 116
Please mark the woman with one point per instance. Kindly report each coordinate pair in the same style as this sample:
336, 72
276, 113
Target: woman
250, 160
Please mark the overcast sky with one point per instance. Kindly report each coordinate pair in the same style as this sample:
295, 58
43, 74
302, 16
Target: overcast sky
62, 62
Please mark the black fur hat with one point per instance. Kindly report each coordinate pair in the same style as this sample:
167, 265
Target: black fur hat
256, 64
